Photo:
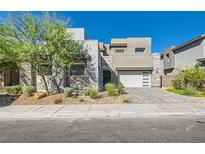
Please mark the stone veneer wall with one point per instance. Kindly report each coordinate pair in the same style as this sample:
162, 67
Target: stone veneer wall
155, 76
1, 78
27, 75
92, 76
166, 80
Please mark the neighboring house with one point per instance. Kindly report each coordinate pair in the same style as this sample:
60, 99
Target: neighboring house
181, 57
128, 61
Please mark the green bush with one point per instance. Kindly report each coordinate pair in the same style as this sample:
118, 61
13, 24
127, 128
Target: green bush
177, 83
28, 90
121, 89
93, 93
110, 88
190, 91
86, 91
127, 101
58, 101
194, 77
13, 89
68, 92
81, 100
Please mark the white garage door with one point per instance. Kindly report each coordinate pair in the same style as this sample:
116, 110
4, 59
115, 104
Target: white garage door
134, 78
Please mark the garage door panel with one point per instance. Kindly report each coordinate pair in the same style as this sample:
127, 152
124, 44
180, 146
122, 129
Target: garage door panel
134, 78
131, 80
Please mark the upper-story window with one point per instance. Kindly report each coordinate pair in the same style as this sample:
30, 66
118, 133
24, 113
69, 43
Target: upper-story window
119, 50
168, 57
139, 50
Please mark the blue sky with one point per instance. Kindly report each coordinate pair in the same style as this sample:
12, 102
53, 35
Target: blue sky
165, 28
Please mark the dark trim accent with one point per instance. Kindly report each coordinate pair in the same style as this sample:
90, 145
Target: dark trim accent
189, 42
134, 68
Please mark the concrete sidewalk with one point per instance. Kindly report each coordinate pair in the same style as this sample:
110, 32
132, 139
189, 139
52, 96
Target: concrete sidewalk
100, 110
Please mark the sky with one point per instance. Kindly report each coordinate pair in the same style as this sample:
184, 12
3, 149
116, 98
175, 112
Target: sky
165, 28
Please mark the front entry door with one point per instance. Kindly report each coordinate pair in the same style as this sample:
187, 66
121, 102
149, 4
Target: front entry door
106, 77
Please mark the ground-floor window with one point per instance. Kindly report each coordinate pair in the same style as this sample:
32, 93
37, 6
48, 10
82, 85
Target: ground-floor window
77, 69
46, 69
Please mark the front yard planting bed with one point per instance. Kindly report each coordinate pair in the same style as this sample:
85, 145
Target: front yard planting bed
103, 98
199, 93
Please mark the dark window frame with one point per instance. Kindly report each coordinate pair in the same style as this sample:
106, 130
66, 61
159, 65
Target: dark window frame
78, 73
119, 50
168, 57
46, 71
139, 50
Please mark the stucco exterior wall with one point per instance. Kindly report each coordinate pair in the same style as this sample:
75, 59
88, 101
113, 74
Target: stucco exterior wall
78, 34
130, 58
188, 55
93, 67
169, 62
27, 76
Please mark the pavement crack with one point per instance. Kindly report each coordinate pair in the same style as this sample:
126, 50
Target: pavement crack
58, 110
200, 122
90, 107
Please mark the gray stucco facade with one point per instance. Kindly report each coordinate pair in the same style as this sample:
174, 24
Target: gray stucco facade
185, 55
182, 57
130, 62
90, 78
102, 57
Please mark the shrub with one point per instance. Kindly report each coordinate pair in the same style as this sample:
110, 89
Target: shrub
81, 100
68, 92
126, 101
177, 83
13, 89
190, 91
110, 88
93, 93
121, 89
194, 77
58, 101
86, 91
28, 90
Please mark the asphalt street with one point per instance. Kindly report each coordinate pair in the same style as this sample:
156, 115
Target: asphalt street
105, 130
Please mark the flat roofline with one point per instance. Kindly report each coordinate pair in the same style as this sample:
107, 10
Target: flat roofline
118, 44
134, 68
189, 42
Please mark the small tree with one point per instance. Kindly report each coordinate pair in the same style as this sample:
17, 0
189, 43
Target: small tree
35, 40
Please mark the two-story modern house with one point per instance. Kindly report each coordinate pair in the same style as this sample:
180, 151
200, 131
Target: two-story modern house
128, 61
181, 57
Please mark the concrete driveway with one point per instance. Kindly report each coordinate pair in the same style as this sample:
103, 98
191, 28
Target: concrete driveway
157, 95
